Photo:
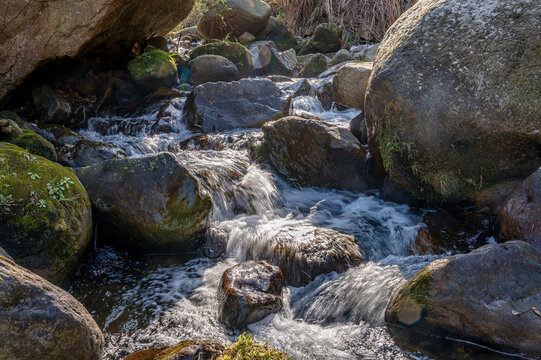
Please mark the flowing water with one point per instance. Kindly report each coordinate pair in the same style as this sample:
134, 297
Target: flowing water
159, 300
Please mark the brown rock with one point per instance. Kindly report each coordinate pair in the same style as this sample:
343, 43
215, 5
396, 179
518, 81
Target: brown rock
185, 350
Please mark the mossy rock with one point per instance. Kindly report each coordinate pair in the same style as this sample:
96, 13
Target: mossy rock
234, 52
188, 349
314, 66
451, 113
45, 230
36, 144
327, 38
150, 204
154, 69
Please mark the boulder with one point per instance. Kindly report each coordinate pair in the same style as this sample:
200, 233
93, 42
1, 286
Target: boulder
5, 254
246, 38
185, 350
356, 126
248, 292
63, 29
247, 103
148, 204
304, 252
370, 54
9, 129
488, 296
269, 61
41, 321
212, 68
449, 113
341, 56
327, 38
215, 244
315, 65
36, 144
236, 53
158, 42
350, 83
154, 69
300, 88
46, 217
234, 18
323, 91
50, 107
520, 215
279, 34
316, 153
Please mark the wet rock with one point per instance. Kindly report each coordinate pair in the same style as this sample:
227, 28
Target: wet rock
356, 126
327, 38
234, 52
235, 17
216, 243
490, 200
279, 34
316, 153
487, 296
341, 56
36, 144
323, 91
148, 204
451, 112
269, 61
50, 107
247, 103
74, 29
185, 350
300, 88
212, 68
306, 252
315, 65
520, 215
350, 83
248, 292
454, 229
154, 69
9, 129
41, 321
158, 42
45, 214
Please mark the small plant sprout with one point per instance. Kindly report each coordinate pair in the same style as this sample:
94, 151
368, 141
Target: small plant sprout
34, 176
57, 191
42, 203
6, 202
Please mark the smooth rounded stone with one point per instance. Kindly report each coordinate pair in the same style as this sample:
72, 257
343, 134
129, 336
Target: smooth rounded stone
212, 68
246, 38
278, 33
487, 296
304, 252
248, 292
341, 56
315, 65
9, 129
50, 107
269, 61
234, 17
185, 350
149, 204
520, 215
453, 229
158, 42
248, 103
74, 150
350, 84
44, 228
234, 52
356, 126
215, 244
154, 69
67, 29
327, 38
38, 320
450, 112
36, 144
316, 153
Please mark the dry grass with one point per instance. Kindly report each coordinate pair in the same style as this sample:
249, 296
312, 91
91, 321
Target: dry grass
359, 18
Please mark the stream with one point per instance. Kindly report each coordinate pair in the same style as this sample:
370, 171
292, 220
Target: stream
163, 299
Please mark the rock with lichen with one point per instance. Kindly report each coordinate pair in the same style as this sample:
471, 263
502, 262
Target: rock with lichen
234, 52
154, 69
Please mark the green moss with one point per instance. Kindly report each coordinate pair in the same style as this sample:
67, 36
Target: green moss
234, 52
246, 348
149, 61
36, 145
58, 230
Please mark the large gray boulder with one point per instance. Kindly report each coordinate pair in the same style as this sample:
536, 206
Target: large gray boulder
41, 321
62, 29
311, 152
489, 296
234, 18
279, 34
327, 38
247, 103
350, 83
269, 61
453, 102
232, 51
212, 68
150, 204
